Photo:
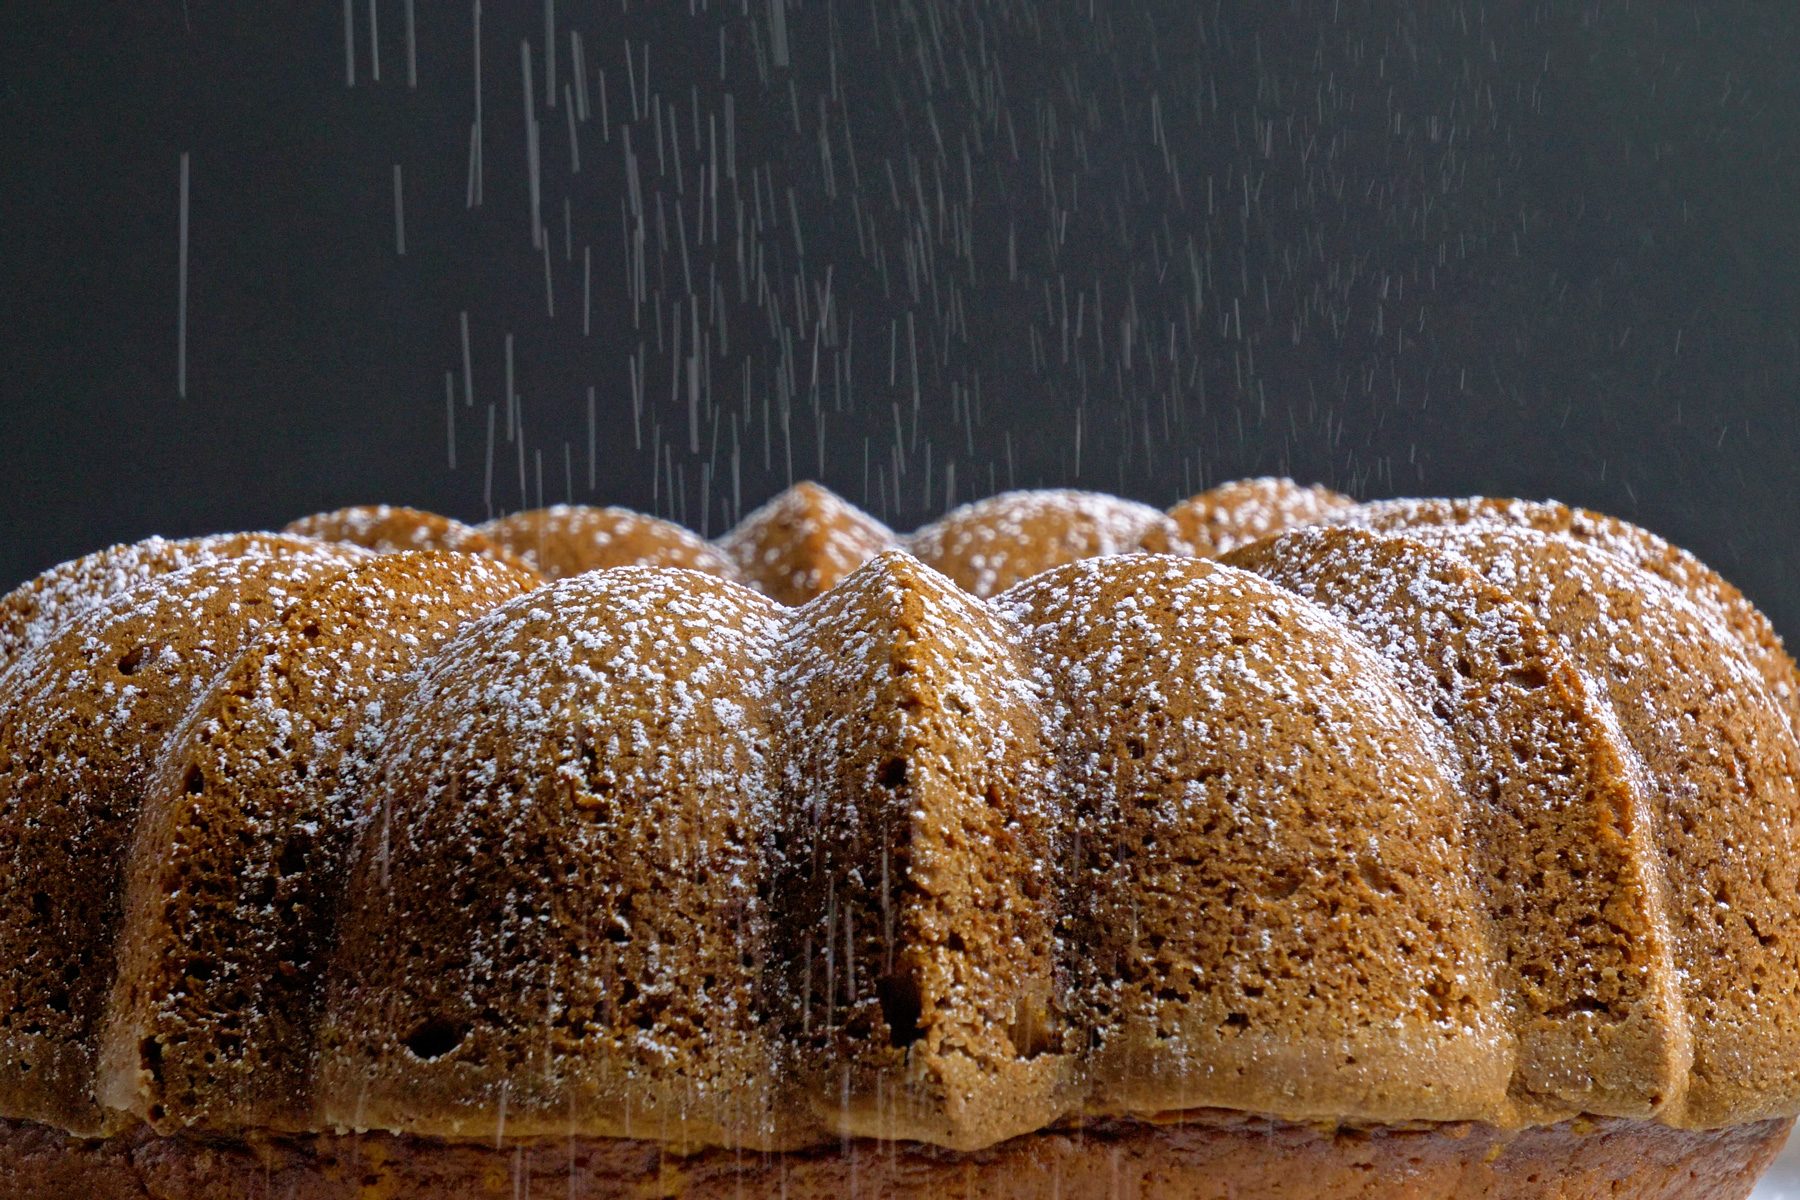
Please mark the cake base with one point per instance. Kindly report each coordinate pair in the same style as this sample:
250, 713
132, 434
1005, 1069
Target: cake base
1210, 1156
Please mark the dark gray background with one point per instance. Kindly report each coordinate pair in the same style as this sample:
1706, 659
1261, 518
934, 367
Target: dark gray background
1534, 249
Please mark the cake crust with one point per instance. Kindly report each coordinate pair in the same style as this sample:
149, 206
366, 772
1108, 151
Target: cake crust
1460, 851
1208, 1156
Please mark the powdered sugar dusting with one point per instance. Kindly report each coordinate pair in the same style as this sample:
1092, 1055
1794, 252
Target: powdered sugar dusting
260, 785
913, 865
83, 719
1585, 950
1226, 749
1722, 765
803, 542
992, 544
1406, 828
1635, 545
390, 529
568, 539
33, 612
596, 752
1234, 514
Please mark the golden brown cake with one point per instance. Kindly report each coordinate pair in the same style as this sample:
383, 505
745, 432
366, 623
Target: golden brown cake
1235, 514
220, 948
567, 539
1699, 583
1437, 849
803, 542
83, 720
989, 545
34, 611
390, 529
1586, 975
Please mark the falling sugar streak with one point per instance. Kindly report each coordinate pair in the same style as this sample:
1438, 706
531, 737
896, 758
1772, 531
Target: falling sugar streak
399, 215
181, 310
349, 43
450, 417
374, 45
412, 50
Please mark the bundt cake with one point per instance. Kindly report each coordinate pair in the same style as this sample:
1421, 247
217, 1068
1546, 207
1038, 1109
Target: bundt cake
1409, 849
